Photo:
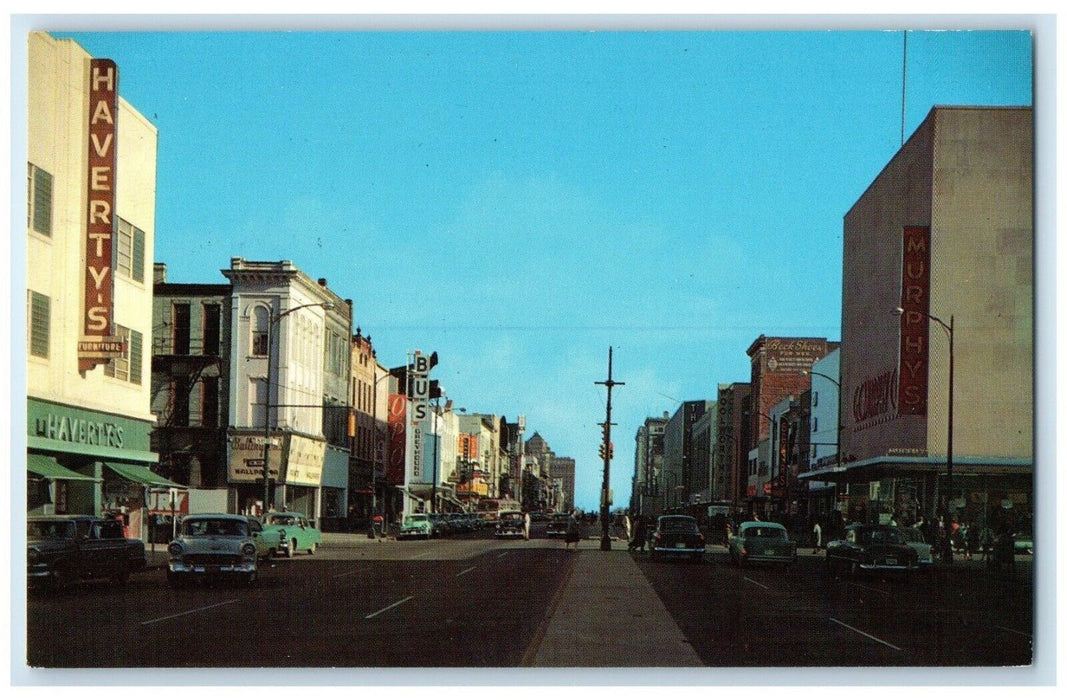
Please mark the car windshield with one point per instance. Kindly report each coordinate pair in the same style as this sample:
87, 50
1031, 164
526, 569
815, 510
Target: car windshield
560, 518
767, 533
50, 529
912, 535
282, 520
413, 519
880, 536
203, 527
678, 525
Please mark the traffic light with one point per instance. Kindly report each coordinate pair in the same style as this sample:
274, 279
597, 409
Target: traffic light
611, 450
602, 451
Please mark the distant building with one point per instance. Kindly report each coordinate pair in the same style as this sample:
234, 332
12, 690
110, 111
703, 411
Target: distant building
562, 471
733, 437
648, 497
682, 479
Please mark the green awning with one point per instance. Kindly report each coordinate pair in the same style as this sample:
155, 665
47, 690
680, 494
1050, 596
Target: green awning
49, 468
139, 474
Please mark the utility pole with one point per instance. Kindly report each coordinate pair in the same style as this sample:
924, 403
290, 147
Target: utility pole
605, 537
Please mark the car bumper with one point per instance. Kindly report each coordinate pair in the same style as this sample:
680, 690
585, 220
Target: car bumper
878, 566
678, 550
408, 534
186, 569
769, 558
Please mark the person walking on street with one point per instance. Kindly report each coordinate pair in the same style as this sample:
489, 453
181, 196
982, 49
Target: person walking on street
526, 525
629, 527
640, 534
817, 531
572, 533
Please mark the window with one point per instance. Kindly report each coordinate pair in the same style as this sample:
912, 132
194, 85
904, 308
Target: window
39, 211
257, 396
209, 402
814, 424
212, 329
814, 398
260, 331
181, 329
127, 368
129, 253
180, 392
40, 324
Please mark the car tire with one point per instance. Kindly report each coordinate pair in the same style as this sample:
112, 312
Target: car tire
291, 552
250, 579
64, 576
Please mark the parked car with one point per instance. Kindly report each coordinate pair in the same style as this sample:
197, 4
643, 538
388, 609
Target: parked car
218, 545
762, 542
62, 550
441, 528
676, 535
913, 537
416, 525
295, 533
511, 524
871, 548
460, 522
557, 525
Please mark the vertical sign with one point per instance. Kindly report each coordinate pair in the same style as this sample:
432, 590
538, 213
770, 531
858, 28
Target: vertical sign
97, 344
398, 408
914, 322
419, 427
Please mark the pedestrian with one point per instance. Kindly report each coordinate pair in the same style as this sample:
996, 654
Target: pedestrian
526, 525
629, 527
640, 534
378, 526
727, 533
817, 531
572, 533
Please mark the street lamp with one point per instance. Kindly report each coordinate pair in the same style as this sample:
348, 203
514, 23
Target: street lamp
272, 320
947, 550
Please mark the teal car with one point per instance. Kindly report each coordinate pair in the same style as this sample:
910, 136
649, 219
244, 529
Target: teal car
417, 525
295, 533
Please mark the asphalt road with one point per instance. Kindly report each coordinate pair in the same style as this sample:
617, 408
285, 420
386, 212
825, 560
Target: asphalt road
802, 616
472, 601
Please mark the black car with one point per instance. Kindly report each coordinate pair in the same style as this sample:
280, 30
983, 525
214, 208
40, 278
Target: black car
677, 535
557, 525
871, 548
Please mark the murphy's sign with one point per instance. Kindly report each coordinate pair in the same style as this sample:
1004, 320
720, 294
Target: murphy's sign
914, 321
97, 343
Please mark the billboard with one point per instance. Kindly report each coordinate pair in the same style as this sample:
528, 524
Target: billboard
394, 468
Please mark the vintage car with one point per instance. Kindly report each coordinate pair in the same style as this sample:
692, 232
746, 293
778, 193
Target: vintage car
913, 537
294, 533
416, 525
441, 526
870, 548
676, 535
762, 542
62, 550
511, 523
557, 525
218, 545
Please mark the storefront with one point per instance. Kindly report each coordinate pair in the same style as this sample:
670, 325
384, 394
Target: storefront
295, 472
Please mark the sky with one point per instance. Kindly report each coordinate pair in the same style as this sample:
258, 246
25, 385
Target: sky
520, 201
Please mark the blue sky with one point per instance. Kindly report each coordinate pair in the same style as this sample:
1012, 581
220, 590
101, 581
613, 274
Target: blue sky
521, 201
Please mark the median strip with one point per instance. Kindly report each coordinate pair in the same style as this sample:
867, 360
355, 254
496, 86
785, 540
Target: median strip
868, 636
189, 612
388, 607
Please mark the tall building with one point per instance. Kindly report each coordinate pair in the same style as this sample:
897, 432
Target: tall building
733, 439
90, 233
562, 470
945, 234
289, 367
648, 499
682, 479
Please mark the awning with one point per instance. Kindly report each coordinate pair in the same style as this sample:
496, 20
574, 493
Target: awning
140, 475
49, 468
455, 502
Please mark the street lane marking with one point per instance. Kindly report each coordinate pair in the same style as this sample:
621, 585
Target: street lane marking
388, 607
465, 571
189, 612
1008, 629
767, 588
347, 573
501, 556
868, 636
876, 590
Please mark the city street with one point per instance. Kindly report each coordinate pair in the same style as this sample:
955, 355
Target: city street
473, 601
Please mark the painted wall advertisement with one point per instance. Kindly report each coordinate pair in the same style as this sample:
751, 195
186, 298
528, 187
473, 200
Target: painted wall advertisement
792, 355
914, 322
246, 458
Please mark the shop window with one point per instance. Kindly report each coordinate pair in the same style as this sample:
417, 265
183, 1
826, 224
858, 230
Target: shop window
40, 324
39, 212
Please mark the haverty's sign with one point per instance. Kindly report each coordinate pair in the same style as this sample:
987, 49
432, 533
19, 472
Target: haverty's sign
98, 343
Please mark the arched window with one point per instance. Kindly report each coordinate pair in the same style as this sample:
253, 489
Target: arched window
260, 331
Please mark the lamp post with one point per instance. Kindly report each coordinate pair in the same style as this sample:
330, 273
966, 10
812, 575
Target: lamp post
949, 328
272, 320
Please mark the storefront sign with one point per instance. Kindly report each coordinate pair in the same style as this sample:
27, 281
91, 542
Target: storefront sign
78, 430
398, 407
792, 355
246, 458
914, 322
875, 399
97, 343
305, 461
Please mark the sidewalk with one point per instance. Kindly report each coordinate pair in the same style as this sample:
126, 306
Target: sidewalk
609, 615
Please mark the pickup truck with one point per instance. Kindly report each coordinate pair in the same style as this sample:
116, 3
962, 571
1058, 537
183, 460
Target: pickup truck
65, 549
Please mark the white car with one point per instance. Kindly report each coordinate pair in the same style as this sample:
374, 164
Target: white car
215, 545
913, 537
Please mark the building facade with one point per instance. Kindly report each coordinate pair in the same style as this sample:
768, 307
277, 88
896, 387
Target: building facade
944, 235
90, 229
733, 439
